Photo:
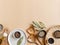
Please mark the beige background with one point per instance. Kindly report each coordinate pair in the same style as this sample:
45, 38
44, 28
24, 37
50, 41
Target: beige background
20, 13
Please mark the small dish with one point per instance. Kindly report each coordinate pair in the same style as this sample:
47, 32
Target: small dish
1, 27
50, 40
17, 34
13, 40
42, 33
56, 34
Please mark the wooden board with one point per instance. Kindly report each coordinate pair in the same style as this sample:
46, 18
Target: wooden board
5, 41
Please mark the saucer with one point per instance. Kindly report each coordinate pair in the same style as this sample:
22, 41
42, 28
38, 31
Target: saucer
14, 41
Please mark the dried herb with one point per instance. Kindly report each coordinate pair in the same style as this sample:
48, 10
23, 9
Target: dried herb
38, 25
42, 25
20, 41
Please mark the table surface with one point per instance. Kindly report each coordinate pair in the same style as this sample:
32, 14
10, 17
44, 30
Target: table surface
20, 13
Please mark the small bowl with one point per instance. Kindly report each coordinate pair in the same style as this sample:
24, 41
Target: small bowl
50, 40
1, 27
56, 34
17, 34
42, 34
